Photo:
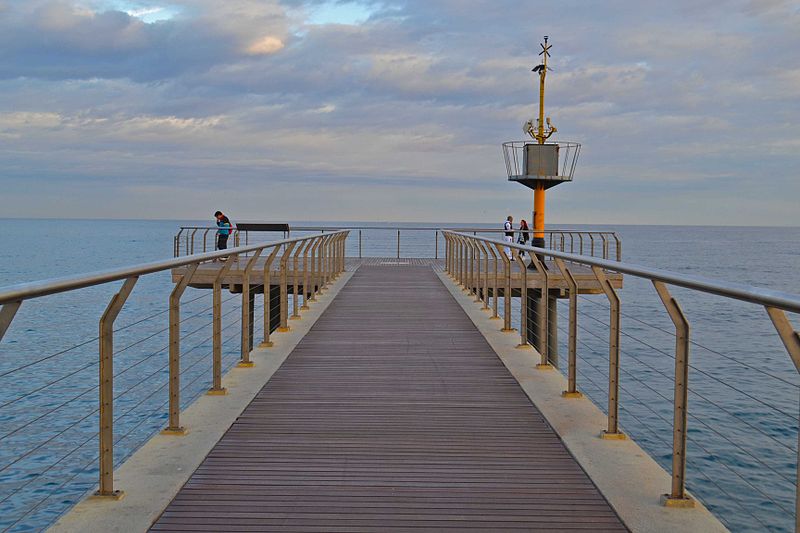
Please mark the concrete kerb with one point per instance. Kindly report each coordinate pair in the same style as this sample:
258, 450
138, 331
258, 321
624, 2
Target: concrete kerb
153, 475
625, 474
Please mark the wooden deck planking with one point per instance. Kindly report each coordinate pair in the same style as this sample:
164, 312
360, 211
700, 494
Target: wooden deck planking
393, 413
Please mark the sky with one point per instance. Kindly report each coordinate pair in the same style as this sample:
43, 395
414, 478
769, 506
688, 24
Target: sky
688, 111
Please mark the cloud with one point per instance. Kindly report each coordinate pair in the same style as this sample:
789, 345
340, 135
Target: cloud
403, 101
265, 46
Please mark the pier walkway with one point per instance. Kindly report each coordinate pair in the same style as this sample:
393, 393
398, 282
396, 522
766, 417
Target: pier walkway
393, 413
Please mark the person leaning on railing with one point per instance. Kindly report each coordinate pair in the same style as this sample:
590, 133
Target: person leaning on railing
224, 224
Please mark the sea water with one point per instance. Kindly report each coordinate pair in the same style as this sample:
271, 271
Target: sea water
743, 400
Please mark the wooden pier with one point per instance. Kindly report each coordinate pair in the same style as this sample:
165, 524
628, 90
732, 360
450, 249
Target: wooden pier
392, 414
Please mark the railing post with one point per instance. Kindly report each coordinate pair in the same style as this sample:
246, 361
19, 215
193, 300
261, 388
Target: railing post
267, 343
476, 271
485, 275
618, 246
471, 268
678, 497
245, 361
613, 431
359, 244
436, 246
398, 244
322, 261
177, 250
523, 297
205, 235
506, 290
216, 366
174, 425
309, 246
605, 245
284, 310
192, 247
296, 280
7, 313
314, 256
791, 340
580, 243
496, 285
106, 489
542, 314
591, 248
572, 348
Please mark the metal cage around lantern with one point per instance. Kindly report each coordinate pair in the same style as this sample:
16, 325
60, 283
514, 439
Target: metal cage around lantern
529, 163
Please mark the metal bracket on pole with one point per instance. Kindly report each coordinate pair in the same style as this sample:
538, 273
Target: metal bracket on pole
613, 432
572, 358
106, 489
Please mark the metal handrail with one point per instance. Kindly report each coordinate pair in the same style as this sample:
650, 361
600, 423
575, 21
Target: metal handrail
36, 289
740, 291
331, 251
776, 304
605, 236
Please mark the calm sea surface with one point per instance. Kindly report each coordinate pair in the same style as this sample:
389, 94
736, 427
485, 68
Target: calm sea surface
743, 388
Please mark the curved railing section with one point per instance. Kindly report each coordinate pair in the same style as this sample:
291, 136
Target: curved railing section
401, 241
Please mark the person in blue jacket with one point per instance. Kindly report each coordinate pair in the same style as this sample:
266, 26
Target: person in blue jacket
224, 230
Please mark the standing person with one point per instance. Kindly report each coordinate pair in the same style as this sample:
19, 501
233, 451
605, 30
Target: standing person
224, 224
508, 235
524, 234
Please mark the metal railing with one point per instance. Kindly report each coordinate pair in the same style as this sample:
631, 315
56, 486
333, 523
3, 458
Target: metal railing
483, 268
323, 260
605, 244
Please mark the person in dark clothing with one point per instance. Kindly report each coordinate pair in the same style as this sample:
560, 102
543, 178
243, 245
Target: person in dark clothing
524, 234
224, 224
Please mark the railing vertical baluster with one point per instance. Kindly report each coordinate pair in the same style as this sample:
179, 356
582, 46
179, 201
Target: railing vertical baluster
678, 497
205, 235
542, 314
618, 247
245, 361
216, 367
267, 343
192, 247
572, 347
613, 431
309, 246
591, 240
791, 341
523, 297
476, 279
605, 245
398, 244
296, 281
359, 244
506, 290
174, 424
485, 276
314, 286
496, 284
436, 246
284, 306
106, 489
